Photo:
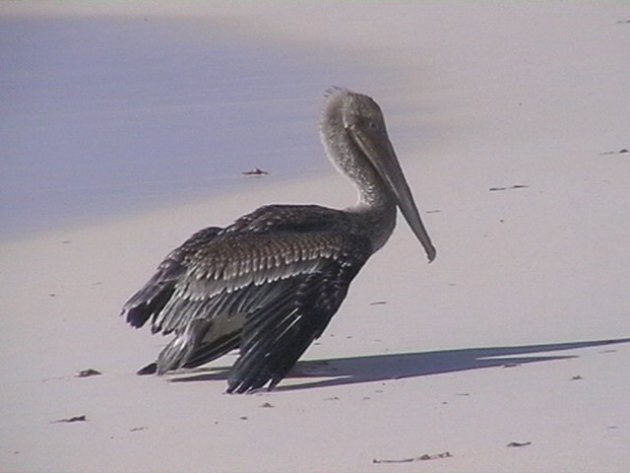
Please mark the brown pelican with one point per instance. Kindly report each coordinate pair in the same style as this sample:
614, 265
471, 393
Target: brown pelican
269, 283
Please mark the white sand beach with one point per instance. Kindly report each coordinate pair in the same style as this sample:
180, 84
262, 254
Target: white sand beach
508, 353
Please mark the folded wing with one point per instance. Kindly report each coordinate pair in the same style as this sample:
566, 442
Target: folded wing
267, 289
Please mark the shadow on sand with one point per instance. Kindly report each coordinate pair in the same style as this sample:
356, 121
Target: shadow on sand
362, 369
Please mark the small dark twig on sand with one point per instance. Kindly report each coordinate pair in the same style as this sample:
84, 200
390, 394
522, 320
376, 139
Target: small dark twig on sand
255, 172
81, 418
515, 186
424, 457
621, 151
87, 373
518, 444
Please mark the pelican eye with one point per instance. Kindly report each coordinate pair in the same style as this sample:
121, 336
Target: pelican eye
373, 125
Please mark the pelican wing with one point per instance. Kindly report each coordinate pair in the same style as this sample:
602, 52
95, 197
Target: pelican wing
268, 288
150, 299
275, 335
216, 259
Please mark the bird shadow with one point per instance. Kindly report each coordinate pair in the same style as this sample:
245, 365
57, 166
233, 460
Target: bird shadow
364, 369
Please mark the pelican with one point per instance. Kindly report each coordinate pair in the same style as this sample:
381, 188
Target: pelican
269, 283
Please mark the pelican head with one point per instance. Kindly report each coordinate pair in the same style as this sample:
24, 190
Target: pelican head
355, 137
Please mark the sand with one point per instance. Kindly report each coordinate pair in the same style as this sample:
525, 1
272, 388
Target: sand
508, 353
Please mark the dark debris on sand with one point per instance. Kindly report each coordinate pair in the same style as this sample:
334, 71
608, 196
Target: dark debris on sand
424, 457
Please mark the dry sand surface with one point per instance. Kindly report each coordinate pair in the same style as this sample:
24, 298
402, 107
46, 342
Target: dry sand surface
508, 353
